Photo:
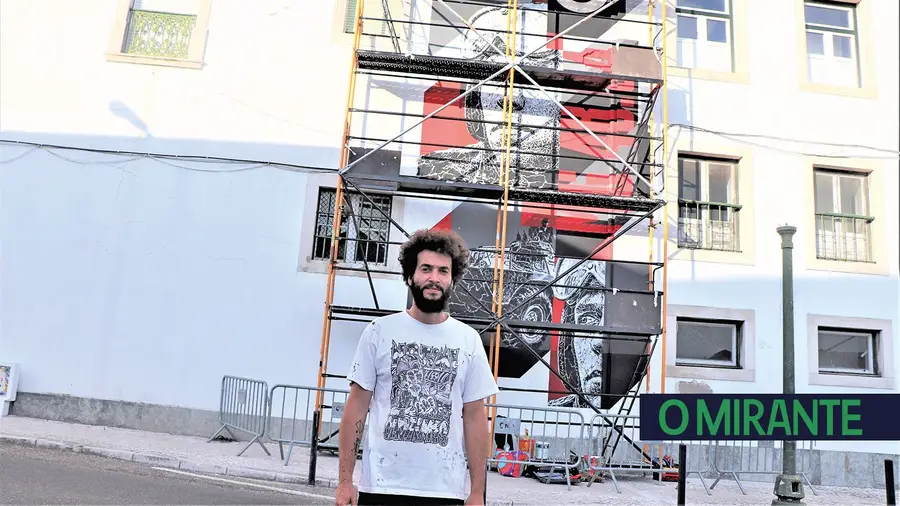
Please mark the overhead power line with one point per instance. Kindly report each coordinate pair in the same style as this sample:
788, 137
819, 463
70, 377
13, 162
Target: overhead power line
163, 157
253, 164
740, 138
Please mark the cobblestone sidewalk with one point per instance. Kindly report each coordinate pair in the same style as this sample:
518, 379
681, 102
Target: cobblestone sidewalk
195, 454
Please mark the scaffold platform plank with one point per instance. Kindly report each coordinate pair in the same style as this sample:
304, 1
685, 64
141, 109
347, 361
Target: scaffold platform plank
366, 314
440, 66
584, 200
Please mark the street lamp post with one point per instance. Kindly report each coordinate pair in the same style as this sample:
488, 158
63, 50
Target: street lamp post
788, 485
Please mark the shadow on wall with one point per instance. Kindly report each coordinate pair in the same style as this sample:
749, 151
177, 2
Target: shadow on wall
153, 274
681, 104
121, 110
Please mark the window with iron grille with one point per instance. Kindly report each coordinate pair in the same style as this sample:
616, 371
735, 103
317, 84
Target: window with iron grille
705, 40
707, 204
364, 233
708, 343
844, 351
843, 224
161, 28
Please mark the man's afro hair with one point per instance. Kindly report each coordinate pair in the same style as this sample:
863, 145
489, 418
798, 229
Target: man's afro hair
439, 241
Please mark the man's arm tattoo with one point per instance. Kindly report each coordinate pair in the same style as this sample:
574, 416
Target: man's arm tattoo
359, 430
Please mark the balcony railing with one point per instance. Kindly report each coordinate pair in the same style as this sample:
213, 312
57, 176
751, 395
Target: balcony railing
159, 34
708, 225
844, 237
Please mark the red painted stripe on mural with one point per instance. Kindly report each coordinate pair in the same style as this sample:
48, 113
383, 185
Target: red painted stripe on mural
446, 223
444, 131
555, 385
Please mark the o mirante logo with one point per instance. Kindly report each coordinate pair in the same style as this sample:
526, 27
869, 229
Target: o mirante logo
705, 417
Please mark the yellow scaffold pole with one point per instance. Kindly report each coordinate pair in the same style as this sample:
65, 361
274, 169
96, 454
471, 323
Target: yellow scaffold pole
338, 205
500, 239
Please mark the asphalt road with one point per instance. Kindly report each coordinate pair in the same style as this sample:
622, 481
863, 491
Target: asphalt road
31, 475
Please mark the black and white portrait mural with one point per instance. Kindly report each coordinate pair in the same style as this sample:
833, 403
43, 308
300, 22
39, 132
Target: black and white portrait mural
585, 296
580, 359
548, 150
535, 139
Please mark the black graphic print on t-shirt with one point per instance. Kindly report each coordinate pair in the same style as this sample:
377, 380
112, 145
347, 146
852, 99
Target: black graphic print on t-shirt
422, 382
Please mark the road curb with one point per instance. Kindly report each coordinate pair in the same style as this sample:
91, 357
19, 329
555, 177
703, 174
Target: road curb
167, 461
18, 440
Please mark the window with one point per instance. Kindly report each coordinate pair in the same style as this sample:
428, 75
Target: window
160, 28
382, 27
843, 226
707, 204
831, 44
705, 34
350, 17
844, 351
160, 32
707, 343
366, 231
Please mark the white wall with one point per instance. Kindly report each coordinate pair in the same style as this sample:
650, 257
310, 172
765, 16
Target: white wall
144, 280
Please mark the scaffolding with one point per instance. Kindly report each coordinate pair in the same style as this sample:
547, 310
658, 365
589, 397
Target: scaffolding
517, 106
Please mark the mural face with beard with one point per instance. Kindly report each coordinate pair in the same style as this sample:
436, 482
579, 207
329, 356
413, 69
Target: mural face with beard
534, 145
580, 359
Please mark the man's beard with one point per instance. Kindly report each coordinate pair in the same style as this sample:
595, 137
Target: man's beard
425, 304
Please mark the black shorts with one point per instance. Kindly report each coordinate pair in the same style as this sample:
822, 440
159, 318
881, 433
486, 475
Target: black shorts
391, 500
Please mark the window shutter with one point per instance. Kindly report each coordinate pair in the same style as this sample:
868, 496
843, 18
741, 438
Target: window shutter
350, 17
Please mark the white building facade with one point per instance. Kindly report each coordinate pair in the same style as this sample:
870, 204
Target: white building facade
750, 82
175, 243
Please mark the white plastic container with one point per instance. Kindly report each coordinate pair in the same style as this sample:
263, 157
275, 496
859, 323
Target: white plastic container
541, 450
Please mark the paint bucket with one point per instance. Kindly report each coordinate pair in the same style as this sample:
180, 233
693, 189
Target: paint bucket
542, 450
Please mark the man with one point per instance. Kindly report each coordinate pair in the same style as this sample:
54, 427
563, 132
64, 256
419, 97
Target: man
423, 377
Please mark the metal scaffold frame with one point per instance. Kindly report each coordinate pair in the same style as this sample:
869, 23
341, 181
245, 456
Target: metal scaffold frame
646, 206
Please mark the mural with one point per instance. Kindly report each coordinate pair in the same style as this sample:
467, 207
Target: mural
583, 300
536, 138
549, 151
549, 148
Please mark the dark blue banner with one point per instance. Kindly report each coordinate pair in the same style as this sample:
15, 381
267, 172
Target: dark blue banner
803, 417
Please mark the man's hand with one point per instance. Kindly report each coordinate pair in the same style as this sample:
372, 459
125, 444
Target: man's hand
346, 494
477, 435
475, 499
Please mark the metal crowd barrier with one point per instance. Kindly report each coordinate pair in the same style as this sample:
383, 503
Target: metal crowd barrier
615, 445
733, 458
243, 407
291, 417
557, 434
611, 443
612, 451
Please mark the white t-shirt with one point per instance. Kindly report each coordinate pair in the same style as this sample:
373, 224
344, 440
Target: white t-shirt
420, 376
